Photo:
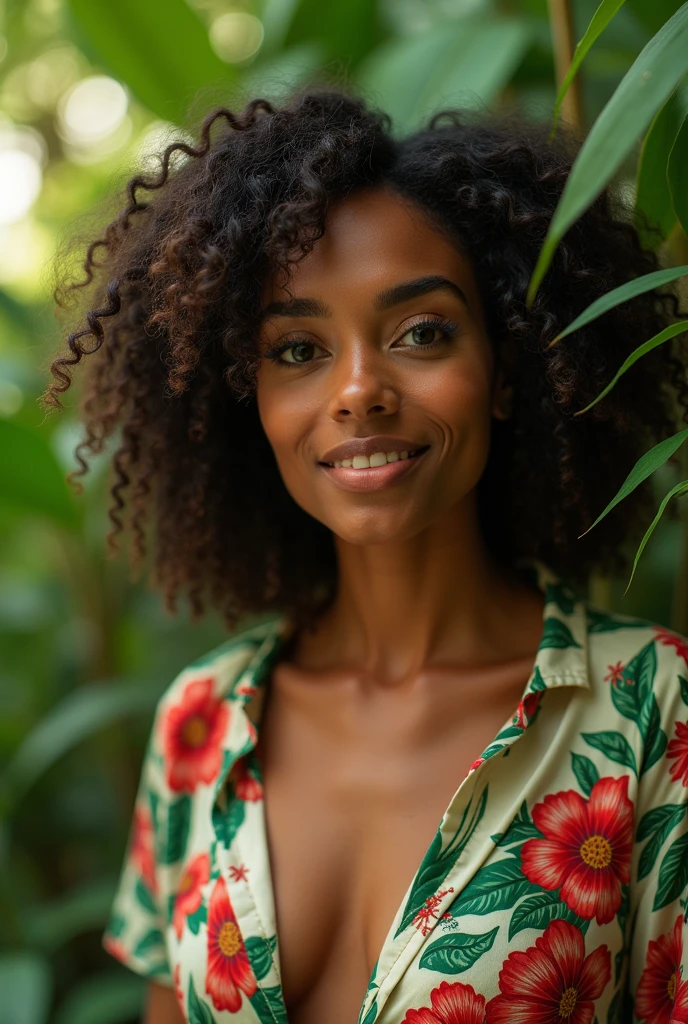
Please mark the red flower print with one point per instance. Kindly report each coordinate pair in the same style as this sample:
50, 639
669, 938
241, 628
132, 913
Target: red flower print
193, 731
452, 1003
229, 968
552, 981
670, 639
246, 786
476, 764
115, 948
188, 898
526, 709
678, 748
426, 914
142, 855
587, 847
238, 873
679, 1012
178, 988
659, 982
615, 673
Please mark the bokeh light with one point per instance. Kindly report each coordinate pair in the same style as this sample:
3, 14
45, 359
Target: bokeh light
92, 110
22, 155
235, 36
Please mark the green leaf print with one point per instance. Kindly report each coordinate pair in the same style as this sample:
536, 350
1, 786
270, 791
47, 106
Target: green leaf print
197, 1011
657, 825
537, 682
260, 952
557, 634
269, 1005
684, 689
150, 942
673, 874
454, 954
561, 595
615, 746
116, 925
371, 1014
178, 821
497, 886
438, 861
585, 771
654, 736
145, 897
520, 830
539, 910
227, 823
195, 920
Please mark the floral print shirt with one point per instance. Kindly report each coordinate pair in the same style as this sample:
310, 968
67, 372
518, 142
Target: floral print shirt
555, 887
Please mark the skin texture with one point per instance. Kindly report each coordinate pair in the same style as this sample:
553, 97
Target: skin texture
426, 649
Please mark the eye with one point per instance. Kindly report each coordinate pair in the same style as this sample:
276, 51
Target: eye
299, 349
425, 332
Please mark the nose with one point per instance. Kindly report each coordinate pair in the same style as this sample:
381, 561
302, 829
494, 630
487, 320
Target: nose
362, 384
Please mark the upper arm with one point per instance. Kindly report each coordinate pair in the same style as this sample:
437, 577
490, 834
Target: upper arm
161, 1006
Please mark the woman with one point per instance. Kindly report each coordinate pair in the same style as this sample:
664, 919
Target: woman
430, 783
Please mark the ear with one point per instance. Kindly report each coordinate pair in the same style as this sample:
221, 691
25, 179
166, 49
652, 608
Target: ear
502, 389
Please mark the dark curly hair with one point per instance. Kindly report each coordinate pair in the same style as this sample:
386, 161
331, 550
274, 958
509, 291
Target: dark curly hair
173, 314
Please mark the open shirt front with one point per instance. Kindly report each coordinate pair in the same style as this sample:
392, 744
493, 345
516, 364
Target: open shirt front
554, 889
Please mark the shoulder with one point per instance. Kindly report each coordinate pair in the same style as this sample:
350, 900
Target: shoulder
194, 721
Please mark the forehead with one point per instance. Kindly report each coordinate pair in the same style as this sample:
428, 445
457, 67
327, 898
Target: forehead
373, 238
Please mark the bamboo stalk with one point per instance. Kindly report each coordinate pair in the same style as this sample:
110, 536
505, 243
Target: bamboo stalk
563, 42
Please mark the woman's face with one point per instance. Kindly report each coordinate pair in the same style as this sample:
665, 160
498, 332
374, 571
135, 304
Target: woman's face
382, 337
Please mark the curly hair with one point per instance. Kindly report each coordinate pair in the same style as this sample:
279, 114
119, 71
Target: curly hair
173, 310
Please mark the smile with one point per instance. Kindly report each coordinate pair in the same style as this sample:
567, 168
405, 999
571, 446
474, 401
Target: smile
367, 474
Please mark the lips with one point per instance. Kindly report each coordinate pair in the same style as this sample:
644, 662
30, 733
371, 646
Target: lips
369, 446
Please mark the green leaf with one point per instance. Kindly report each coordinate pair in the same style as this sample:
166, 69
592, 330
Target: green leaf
260, 952
625, 118
585, 771
84, 908
644, 467
81, 714
557, 634
638, 286
269, 1005
673, 874
647, 346
454, 954
633, 690
677, 491
464, 61
227, 823
148, 60
684, 689
655, 737
145, 897
344, 31
676, 175
602, 622
539, 910
613, 745
26, 986
654, 215
32, 478
152, 942
657, 825
439, 860
178, 822
198, 1011
497, 886
195, 920
600, 19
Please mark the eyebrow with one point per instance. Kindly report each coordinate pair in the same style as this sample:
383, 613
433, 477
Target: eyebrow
384, 300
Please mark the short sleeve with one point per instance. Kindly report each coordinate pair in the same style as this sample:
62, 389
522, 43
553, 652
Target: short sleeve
135, 931
658, 972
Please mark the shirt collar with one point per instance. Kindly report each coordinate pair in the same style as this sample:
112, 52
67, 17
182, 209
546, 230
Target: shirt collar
561, 659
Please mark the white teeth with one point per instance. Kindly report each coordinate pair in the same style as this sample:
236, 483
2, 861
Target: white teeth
378, 459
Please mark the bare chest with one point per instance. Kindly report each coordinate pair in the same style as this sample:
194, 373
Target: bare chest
354, 794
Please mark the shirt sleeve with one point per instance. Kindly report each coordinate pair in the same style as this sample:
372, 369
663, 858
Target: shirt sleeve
658, 963
135, 933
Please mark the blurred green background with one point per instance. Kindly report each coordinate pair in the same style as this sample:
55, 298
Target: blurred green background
88, 89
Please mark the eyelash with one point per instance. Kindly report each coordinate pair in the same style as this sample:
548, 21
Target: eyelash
447, 327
